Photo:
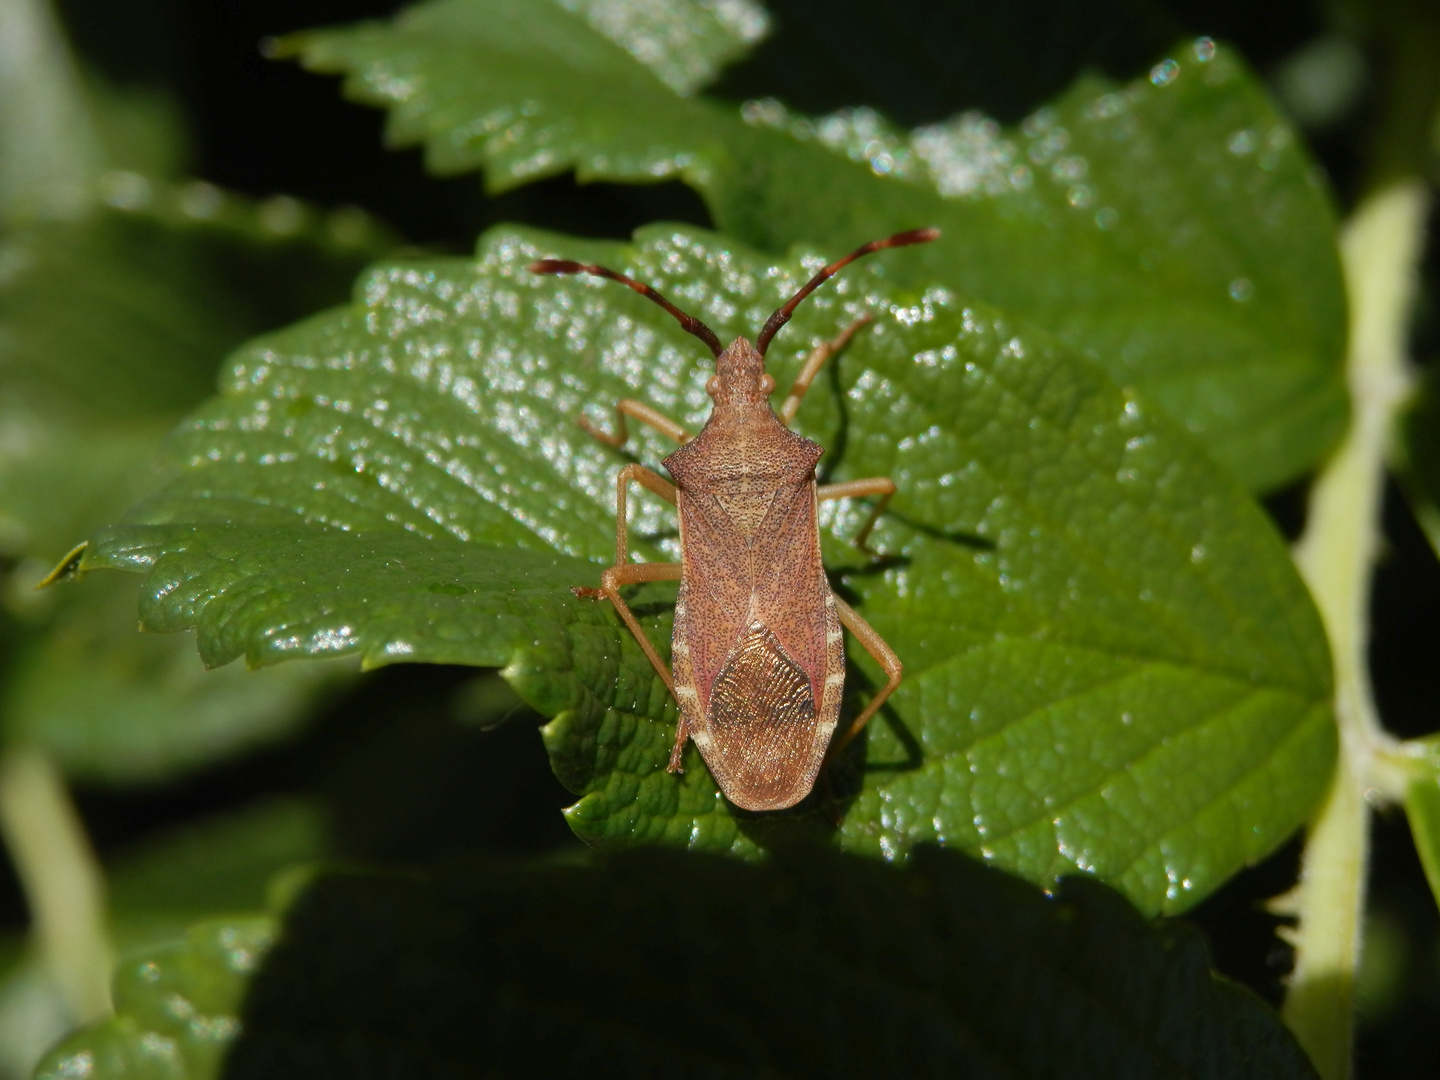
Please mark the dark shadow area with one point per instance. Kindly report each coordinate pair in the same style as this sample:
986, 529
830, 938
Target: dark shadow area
948, 536
262, 126
811, 964
921, 61
1242, 933
858, 756
874, 566
1287, 508
1405, 624
404, 774
1398, 997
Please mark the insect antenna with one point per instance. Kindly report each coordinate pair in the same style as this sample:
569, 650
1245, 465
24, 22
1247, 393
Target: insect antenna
691, 324
782, 316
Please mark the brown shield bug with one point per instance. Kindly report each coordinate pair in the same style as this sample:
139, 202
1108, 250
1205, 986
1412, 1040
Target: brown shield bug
757, 648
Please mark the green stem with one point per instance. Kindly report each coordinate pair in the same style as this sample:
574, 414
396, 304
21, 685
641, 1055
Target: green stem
63, 883
50, 152
1380, 248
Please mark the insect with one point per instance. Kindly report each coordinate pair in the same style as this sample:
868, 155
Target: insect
759, 668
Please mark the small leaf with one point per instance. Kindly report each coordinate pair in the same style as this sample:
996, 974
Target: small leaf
1111, 663
809, 965
1172, 228
1417, 453
1422, 808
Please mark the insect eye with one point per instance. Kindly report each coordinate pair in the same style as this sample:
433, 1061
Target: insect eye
713, 386
767, 383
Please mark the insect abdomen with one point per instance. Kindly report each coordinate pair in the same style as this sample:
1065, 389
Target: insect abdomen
762, 725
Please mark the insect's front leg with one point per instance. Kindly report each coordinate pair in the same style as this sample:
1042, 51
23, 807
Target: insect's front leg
849, 489
640, 411
813, 363
652, 482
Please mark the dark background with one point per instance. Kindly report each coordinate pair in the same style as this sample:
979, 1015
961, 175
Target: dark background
405, 777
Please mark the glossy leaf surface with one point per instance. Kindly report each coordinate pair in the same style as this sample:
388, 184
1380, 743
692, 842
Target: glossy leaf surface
1111, 664
1171, 228
812, 965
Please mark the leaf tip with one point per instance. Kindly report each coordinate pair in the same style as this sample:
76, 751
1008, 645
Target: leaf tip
284, 47
68, 567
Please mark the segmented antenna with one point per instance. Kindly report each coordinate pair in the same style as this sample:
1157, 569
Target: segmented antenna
782, 316
691, 324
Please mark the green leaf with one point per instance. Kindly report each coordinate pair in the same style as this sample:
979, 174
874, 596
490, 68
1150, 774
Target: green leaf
177, 1007
113, 326
210, 866
1172, 228
1422, 808
126, 313
810, 965
141, 128
1417, 457
1111, 663
684, 42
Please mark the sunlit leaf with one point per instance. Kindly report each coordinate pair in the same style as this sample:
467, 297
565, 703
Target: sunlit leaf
1111, 663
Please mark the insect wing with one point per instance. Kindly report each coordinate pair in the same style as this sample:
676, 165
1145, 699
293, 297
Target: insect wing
758, 650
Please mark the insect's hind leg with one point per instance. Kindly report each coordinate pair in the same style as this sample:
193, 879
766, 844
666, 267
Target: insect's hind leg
640, 411
849, 489
885, 656
610, 584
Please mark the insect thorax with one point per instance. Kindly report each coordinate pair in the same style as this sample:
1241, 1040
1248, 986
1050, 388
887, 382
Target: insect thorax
757, 454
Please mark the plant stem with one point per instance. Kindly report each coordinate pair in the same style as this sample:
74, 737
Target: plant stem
1380, 248
63, 883
49, 151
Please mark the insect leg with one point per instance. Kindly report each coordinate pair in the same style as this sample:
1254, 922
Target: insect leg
651, 481
813, 363
625, 572
885, 656
633, 574
640, 411
849, 489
